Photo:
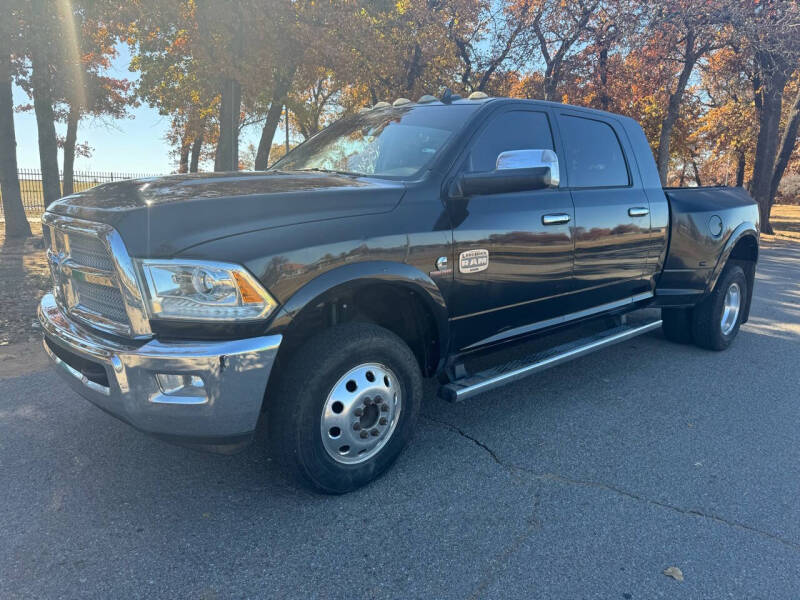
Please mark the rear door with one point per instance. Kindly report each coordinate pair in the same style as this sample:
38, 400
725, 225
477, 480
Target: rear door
612, 213
510, 268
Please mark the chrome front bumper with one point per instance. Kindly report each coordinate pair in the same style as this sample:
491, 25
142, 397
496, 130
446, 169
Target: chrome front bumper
219, 404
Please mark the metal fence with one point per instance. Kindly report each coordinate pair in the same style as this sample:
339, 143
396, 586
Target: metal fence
30, 184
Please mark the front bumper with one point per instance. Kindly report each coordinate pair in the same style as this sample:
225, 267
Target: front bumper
219, 406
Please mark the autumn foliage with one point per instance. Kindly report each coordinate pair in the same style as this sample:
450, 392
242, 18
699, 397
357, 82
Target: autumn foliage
714, 83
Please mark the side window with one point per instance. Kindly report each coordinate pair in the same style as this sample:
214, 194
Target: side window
513, 130
593, 154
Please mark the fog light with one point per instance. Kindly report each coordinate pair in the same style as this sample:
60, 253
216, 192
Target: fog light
172, 384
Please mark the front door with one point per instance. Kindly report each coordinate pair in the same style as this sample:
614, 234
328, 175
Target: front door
513, 251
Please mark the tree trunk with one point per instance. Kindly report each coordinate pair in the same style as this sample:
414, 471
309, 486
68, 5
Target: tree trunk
696, 171
280, 91
16, 222
602, 67
183, 161
227, 155
197, 147
769, 117
673, 110
741, 163
69, 150
786, 146
267, 135
45, 125
551, 76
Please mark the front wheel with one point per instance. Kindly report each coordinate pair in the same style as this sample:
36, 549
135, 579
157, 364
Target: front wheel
346, 407
716, 320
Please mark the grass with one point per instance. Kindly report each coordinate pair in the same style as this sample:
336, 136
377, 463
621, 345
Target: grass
33, 196
785, 221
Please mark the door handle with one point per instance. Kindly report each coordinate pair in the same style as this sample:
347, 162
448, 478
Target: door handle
638, 211
555, 219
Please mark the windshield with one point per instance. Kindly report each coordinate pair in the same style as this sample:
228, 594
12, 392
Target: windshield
393, 142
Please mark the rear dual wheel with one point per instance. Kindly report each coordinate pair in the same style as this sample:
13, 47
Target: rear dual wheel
714, 322
346, 407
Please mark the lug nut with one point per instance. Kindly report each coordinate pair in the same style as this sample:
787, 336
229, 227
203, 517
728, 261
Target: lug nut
367, 401
384, 407
374, 432
357, 425
383, 421
359, 412
378, 400
363, 434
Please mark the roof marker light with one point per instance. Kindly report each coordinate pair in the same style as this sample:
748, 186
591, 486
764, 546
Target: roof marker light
401, 102
427, 99
478, 96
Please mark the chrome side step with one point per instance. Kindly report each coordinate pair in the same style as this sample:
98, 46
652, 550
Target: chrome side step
469, 386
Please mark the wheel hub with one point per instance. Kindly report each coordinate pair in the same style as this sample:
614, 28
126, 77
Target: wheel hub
730, 308
360, 413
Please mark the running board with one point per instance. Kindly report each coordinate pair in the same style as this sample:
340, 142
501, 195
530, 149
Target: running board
469, 386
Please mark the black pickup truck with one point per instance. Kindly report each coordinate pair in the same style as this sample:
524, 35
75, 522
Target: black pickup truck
396, 244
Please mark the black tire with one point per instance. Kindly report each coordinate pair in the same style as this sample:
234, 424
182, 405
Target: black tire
295, 412
707, 328
676, 323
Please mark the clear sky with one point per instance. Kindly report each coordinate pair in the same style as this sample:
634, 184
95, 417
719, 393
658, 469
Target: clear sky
133, 145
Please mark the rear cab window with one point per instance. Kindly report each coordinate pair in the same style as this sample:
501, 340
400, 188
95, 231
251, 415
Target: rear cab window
592, 153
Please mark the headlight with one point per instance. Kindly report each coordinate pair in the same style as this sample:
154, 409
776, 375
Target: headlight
200, 291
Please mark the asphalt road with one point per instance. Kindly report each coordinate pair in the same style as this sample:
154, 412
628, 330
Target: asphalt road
586, 481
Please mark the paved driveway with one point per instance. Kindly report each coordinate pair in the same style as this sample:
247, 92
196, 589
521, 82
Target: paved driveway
586, 481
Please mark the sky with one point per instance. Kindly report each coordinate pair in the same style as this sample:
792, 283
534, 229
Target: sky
132, 145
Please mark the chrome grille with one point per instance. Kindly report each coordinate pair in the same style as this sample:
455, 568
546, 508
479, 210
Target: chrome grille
105, 301
85, 274
89, 251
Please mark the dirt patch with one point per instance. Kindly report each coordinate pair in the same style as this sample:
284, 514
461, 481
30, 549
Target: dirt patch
22, 358
24, 279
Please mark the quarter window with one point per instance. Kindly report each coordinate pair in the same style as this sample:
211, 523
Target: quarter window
513, 130
593, 153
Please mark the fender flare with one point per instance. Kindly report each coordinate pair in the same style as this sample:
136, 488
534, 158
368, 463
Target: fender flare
744, 230
399, 274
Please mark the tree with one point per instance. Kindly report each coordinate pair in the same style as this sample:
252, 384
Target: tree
683, 31
555, 29
16, 222
312, 107
728, 125
769, 30
42, 35
87, 90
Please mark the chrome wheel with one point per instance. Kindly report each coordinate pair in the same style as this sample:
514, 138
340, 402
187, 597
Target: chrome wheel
361, 413
730, 308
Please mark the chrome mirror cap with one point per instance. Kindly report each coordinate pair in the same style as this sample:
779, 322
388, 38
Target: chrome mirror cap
530, 159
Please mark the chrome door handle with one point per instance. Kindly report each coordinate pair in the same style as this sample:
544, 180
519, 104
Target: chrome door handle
556, 219
638, 211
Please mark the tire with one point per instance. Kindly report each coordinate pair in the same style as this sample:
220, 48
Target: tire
676, 323
320, 394
711, 327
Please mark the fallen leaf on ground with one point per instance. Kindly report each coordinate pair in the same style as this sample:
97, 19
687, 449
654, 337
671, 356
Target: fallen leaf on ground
674, 572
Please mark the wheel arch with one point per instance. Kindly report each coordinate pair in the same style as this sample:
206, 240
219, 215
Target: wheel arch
397, 296
741, 247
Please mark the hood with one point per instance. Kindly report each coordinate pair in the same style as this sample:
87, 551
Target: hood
160, 216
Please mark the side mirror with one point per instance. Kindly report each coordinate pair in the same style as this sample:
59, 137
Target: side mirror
530, 159
516, 171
